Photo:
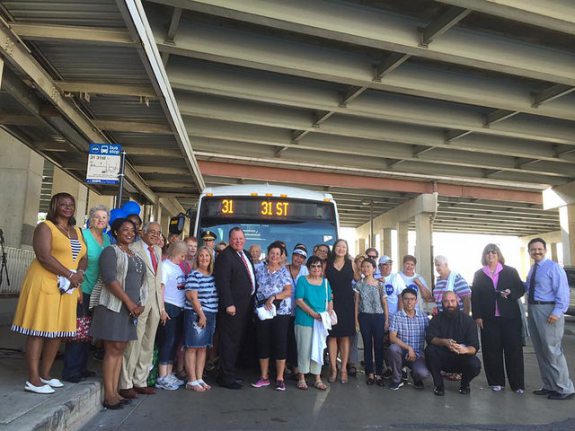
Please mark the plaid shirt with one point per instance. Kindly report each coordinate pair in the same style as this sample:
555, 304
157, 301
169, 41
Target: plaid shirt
410, 330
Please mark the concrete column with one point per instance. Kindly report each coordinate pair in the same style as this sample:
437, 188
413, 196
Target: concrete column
95, 199
361, 245
402, 240
65, 183
21, 172
423, 246
147, 213
567, 221
553, 250
157, 211
386, 239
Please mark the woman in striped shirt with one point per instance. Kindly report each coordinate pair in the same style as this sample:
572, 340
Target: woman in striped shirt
199, 318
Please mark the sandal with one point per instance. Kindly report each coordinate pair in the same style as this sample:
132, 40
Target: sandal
204, 385
343, 378
320, 386
379, 381
302, 385
332, 376
370, 381
195, 386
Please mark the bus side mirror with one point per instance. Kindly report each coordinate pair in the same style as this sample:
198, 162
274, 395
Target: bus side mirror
191, 213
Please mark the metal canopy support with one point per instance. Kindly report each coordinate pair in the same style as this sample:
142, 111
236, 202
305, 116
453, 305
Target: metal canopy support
38, 31
443, 23
392, 62
454, 135
350, 94
551, 93
174, 24
498, 115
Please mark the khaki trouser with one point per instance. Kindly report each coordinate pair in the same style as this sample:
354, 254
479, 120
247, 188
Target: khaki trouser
138, 354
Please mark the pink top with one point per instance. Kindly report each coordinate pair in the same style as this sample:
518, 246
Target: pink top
495, 279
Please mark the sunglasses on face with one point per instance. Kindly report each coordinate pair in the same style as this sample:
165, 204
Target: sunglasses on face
317, 265
491, 252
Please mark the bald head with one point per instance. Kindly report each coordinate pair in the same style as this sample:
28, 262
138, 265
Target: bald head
449, 302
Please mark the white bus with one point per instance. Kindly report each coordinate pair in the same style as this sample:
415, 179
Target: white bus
267, 213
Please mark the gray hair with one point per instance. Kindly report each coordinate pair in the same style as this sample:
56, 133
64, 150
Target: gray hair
93, 210
440, 260
178, 247
147, 226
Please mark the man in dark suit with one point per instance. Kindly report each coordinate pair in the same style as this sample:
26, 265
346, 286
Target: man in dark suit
235, 282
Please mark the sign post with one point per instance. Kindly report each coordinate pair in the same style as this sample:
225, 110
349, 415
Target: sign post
106, 164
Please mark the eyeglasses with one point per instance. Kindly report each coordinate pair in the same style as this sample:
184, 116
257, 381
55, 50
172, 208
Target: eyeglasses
316, 265
491, 252
372, 257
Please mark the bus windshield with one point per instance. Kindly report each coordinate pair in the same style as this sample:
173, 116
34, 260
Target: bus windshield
269, 213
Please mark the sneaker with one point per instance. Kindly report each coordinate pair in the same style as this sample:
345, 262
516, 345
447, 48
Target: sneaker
520, 391
395, 386
280, 385
165, 384
172, 378
261, 383
387, 374
497, 388
404, 375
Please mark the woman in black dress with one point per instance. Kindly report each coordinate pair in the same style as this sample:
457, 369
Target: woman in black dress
339, 272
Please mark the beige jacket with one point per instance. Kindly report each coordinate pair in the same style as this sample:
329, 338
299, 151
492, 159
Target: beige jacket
153, 282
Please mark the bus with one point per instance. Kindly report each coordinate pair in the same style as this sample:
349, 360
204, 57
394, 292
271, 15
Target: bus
267, 213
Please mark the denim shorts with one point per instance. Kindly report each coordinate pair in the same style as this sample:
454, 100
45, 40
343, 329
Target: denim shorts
194, 336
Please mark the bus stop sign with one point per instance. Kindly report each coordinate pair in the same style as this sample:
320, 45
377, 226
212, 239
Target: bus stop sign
104, 163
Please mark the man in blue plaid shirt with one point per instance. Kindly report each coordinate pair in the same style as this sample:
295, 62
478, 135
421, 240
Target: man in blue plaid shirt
407, 335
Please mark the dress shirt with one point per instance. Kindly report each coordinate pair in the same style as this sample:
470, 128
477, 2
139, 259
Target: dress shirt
551, 285
248, 265
410, 330
460, 328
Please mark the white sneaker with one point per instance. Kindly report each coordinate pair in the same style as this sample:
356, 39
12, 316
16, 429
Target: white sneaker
55, 383
497, 388
44, 389
165, 384
174, 380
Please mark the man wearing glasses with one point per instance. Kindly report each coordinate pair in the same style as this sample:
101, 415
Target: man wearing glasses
373, 254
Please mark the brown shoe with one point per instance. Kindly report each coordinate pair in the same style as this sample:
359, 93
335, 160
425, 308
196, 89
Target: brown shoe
147, 390
129, 394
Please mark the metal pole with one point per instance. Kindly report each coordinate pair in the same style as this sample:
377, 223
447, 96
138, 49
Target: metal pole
371, 241
121, 175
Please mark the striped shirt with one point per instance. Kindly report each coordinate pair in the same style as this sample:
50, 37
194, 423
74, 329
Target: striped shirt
76, 247
206, 287
460, 287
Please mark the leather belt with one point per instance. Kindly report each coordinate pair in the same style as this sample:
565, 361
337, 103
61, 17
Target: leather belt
542, 303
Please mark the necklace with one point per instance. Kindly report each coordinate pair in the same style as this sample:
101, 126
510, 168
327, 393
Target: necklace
65, 231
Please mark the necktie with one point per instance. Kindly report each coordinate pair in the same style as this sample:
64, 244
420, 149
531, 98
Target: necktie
154, 260
246, 264
531, 297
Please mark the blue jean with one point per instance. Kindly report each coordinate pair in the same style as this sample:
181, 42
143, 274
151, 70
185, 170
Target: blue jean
170, 334
76, 354
372, 327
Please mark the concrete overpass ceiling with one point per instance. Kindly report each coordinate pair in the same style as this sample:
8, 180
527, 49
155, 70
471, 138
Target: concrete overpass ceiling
446, 93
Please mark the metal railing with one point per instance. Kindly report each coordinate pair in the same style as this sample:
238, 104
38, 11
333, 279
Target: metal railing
18, 261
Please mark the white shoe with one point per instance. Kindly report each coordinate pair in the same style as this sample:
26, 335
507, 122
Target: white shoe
173, 379
497, 388
165, 384
55, 383
44, 389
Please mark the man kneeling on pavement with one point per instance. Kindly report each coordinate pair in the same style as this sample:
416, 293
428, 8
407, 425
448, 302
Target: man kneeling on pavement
452, 345
407, 337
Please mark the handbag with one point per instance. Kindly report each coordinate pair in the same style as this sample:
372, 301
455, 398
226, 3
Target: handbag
82, 330
332, 313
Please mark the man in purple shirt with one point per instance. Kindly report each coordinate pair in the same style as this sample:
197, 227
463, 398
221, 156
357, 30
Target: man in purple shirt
548, 299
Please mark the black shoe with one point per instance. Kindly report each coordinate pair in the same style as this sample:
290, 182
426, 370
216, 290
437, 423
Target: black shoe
439, 391
404, 375
232, 385
239, 381
464, 390
543, 391
73, 379
88, 373
387, 374
558, 396
116, 406
351, 371
418, 384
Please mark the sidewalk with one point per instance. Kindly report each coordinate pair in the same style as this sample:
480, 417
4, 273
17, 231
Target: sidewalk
68, 409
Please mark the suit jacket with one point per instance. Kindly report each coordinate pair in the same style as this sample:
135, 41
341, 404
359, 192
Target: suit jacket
233, 281
484, 296
152, 281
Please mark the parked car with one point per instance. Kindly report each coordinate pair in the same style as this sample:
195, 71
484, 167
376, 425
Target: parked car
570, 270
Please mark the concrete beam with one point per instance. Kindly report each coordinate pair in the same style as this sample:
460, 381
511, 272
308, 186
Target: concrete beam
354, 24
133, 126
172, 206
556, 15
295, 176
106, 89
559, 196
97, 35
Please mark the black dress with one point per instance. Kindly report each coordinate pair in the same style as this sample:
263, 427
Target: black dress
343, 299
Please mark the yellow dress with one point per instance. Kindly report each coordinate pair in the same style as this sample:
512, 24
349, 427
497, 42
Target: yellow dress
42, 310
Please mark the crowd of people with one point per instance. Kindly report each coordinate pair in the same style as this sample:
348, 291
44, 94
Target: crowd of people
140, 290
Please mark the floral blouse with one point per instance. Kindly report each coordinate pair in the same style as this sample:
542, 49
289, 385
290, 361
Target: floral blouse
273, 283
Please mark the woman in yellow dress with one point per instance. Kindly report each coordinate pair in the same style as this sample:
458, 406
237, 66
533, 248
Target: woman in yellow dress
46, 308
